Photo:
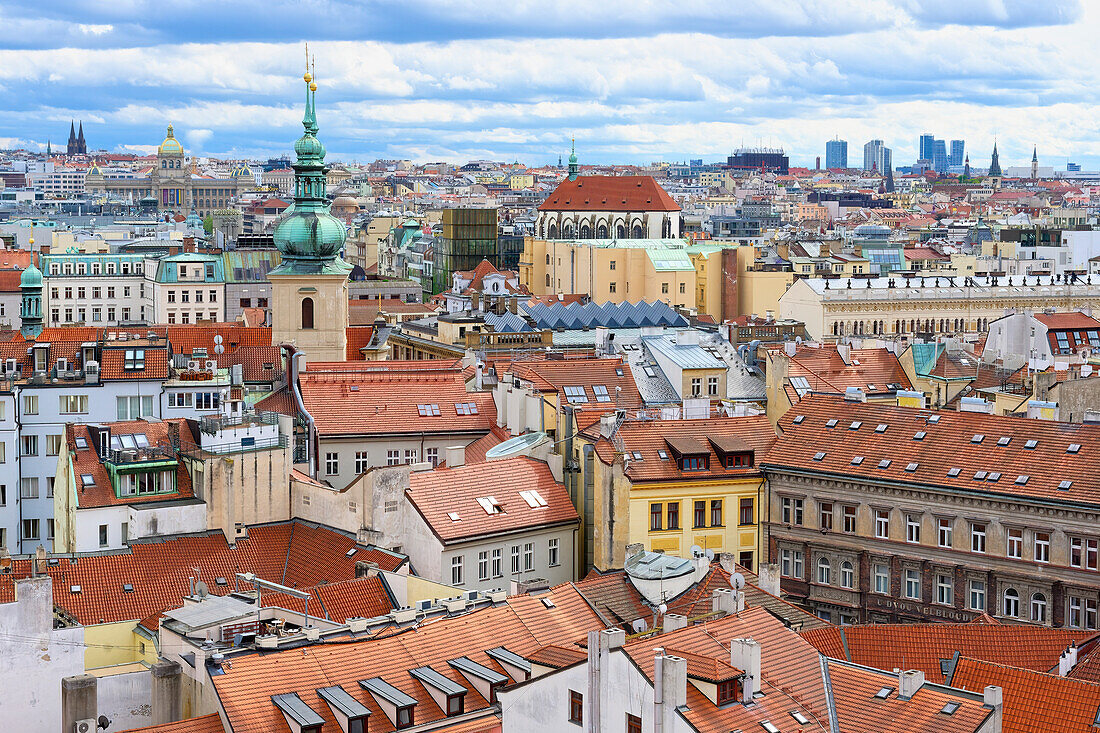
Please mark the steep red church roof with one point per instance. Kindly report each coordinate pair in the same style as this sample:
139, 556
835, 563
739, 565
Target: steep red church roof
609, 193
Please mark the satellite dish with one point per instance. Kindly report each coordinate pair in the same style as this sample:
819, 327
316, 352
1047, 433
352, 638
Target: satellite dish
662, 608
696, 550
639, 625
217, 339
710, 554
201, 590
737, 580
218, 348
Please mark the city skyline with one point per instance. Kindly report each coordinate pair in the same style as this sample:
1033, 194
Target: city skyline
458, 88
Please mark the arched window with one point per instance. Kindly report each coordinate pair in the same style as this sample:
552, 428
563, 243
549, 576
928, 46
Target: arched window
620, 231
552, 231
1039, 608
601, 231
1011, 605
548, 258
847, 575
824, 570
307, 313
586, 232
637, 231
548, 279
164, 164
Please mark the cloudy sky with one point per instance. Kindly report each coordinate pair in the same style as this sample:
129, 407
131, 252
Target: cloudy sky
634, 80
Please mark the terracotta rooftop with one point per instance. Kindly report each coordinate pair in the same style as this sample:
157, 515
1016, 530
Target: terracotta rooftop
211, 723
826, 371
967, 451
464, 492
587, 374
609, 193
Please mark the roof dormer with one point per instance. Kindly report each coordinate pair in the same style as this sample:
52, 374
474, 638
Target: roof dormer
486, 681
301, 718
351, 714
397, 705
447, 694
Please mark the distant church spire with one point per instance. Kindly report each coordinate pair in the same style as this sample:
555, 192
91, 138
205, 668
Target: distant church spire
1035, 162
995, 163
966, 168
573, 161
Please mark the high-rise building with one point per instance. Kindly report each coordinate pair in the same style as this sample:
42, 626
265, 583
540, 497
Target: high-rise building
876, 156
836, 153
927, 140
958, 152
939, 156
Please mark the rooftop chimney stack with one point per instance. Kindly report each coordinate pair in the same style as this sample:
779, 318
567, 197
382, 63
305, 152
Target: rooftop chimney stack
456, 456
745, 655
993, 697
669, 690
909, 682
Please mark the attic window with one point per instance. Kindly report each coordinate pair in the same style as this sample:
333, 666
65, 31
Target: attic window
1073, 448
884, 463
933, 418
81, 443
979, 475
950, 708
453, 516
127, 587
662, 455
798, 419
575, 394
978, 438
768, 726
1005, 440
87, 479
881, 427
220, 581
490, 505
993, 477
1022, 479
533, 498
618, 371
911, 467
855, 425
871, 387
466, 408
884, 693
818, 456
831, 424
1065, 485
74, 588
601, 393
954, 472
799, 717
636, 456
1030, 445
919, 435
428, 410
856, 460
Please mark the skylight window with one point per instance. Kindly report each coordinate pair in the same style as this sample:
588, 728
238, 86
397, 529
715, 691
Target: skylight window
798, 419
919, 435
87, 479
818, 456
950, 708
490, 505
884, 693
575, 394
831, 423
954, 472
431, 410
662, 454
884, 463
856, 460
636, 455
993, 477
1065, 485
881, 427
1022, 479
127, 587
799, 717
1074, 448
466, 408
801, 385
1004, 440
911, 467
81, 443
768, 726
933, 418
453, 516
855, 425
74, 588
601, 393
871, 387
978, 438
1030, 445
979, 475
649, 372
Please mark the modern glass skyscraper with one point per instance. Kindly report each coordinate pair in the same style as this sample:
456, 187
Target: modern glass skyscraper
939, 156
836, 153
958, 152
927, 140
876, 156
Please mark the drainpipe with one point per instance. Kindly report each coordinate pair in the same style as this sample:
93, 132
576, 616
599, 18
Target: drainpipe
292, 385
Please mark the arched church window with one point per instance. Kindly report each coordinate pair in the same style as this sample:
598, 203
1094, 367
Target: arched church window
307, 313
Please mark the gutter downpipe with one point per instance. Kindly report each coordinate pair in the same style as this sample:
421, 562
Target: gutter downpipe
295, 390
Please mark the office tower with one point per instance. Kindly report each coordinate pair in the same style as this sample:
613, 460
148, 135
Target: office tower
927, 140
939, 156
957, 152
836, 153
877, 157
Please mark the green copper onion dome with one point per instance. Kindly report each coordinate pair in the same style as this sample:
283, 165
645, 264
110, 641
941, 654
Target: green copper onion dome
31, 277
309, 237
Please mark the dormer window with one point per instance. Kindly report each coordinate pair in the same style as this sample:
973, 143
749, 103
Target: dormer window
694, 463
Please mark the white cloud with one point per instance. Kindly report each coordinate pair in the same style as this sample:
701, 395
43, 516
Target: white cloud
95, 29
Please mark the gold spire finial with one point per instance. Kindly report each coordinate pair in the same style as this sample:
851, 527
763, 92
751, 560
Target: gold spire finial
313, 71
307, 77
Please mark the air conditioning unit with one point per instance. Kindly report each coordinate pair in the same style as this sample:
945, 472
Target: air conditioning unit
193, 365
424, 605
211, 365
87, 725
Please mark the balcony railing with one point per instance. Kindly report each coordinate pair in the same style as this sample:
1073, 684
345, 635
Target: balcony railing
148, 454
211, 424
242, 445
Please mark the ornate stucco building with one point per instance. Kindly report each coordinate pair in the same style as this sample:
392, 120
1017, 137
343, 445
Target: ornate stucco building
172, 184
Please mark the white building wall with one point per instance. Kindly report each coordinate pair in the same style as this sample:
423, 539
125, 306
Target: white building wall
126, 699
169, 518
88, 522
470, 553
377, 450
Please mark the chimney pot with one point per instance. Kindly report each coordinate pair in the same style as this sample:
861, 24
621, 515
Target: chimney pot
909, 682
456, 456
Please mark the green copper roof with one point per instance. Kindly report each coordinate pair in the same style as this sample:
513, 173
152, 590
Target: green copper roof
31, 277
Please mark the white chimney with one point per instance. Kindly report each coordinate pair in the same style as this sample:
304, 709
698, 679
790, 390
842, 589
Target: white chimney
789, 347
1067, 661
909, 682
669, 690
845, 351
745, 655
993, 697
727, 600
674, 622
456, 456
767, 578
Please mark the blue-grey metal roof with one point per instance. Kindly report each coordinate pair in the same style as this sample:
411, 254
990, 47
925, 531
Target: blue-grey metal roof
469, 666
657, 565
342, 700
605, 315
685, 356
295, 708
386, 691
446, 685
507, 323
511, 658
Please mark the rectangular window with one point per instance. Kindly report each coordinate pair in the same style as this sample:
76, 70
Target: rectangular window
634, 723
912, 528
552, 553
656, 517
28, 445
977, 595
393, 458
1090, 545
410, 456
977, 537
1042, 547
882, 579
332, 464
1076, 552
483, 565
849, 519
826, 515
944, 534
30, 404
103, 535
431, 455
456, 570
945, 593
912, 584
28, 487
528, 556
791, 563
362, 462
716, 512
696, 387
712, 386
498, 563
674, 515
700, 514
515, 559
576, 707
791, 510
30, 529
1074, 619
882, 523
748, 516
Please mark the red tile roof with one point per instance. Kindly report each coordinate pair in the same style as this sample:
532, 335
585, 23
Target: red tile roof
9, 280
211, 723
554, 375
294, 553
1033, 701
948, 442
826, 371
925, 646
475, 452
112, 363
357, 338
362, 597
383, 398
1072, 320
436, 494
609, 193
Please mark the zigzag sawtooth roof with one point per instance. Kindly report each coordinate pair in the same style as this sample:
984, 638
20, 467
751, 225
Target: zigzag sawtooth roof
607, 315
